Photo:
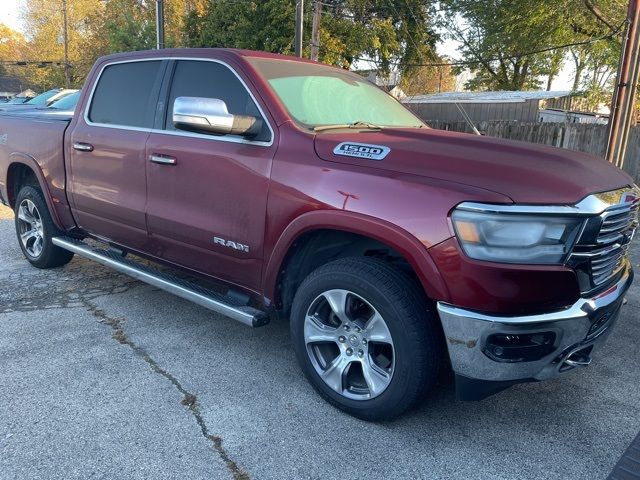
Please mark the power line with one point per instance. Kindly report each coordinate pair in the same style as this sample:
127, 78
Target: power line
26, 63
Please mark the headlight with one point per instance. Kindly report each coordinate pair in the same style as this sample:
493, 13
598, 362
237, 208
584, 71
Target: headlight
516, 238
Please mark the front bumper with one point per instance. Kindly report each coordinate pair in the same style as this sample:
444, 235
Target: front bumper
577, 331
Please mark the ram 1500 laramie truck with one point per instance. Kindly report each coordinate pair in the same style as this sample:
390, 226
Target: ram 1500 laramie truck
311, 194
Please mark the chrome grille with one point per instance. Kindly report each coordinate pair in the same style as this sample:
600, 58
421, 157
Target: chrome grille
618, 226
617, 221
604, 267
601, 252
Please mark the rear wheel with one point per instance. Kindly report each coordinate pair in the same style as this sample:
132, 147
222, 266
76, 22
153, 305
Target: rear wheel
365, 337
35, 229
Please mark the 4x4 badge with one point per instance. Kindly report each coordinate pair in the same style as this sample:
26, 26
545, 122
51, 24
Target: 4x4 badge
362, 150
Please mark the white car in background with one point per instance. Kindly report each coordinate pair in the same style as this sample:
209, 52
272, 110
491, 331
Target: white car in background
43, 100
62, 108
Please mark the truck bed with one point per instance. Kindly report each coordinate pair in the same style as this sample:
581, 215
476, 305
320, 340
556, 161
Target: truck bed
36, 141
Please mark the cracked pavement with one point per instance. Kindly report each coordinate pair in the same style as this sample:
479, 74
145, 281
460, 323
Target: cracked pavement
104, 377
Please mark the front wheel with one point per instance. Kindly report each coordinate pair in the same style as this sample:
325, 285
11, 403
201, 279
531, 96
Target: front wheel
365, 337
35, 229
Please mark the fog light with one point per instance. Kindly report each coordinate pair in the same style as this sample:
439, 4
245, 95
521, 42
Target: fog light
602, 323
520, 347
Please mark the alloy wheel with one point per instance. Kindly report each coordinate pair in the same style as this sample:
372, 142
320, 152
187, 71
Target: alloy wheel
349, 344
30, 228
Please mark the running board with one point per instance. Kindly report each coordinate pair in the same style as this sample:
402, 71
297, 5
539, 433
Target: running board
224, 305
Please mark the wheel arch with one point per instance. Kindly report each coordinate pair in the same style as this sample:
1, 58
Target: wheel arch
24, 170
370, 232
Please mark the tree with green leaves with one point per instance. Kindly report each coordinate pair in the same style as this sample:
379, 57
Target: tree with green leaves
595, 64
390, 33
385, 32
266, 25
515, 44
131, 24
499, 37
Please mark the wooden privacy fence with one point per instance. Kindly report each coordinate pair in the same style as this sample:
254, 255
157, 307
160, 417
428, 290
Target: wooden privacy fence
589, 138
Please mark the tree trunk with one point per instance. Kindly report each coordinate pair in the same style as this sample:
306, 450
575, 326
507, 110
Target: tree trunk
578, 77
550, 81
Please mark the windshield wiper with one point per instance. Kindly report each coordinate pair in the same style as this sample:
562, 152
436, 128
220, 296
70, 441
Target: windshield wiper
354, 125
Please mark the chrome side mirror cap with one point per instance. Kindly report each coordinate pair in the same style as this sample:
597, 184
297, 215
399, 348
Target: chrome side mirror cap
210, 115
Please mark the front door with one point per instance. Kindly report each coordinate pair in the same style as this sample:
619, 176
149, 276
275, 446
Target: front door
207, 194
107, 169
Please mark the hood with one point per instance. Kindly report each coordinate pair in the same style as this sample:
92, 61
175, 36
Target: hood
527, 173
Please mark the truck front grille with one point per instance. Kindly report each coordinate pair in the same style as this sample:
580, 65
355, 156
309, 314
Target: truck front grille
618, 227
601, 253
607, 264
617, 221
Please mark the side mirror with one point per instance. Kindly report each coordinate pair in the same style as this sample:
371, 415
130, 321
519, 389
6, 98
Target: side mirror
210, 115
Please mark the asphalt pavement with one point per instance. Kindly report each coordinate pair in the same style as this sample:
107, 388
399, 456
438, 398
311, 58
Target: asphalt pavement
104, 377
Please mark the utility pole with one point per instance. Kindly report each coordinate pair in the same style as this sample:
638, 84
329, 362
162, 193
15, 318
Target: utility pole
299, 27
627, 81
65, 37
159, 24
315, 30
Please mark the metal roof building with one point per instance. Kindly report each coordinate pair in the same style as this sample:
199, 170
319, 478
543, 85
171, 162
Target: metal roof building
519, 106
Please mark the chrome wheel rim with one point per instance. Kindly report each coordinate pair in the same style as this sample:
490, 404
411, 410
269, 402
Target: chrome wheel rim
30, 228
349, 345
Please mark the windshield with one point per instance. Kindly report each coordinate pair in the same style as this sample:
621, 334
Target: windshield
317, 95
41, 100
66, 103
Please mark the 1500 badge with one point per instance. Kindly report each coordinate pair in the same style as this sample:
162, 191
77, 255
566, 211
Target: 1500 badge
362, 150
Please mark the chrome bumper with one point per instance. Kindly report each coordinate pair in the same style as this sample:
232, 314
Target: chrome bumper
578, 330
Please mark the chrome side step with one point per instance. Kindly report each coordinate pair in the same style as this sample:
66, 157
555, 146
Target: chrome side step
225, 305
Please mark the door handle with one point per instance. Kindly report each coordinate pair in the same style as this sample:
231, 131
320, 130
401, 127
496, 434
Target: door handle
82, 147
163, 159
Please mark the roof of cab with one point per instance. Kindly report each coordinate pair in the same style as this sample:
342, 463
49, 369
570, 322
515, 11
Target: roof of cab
204, 52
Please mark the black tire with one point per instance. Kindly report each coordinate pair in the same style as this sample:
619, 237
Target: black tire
50, 256
414, 328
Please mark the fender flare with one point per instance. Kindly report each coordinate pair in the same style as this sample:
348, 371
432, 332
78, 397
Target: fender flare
395, 237
29, 161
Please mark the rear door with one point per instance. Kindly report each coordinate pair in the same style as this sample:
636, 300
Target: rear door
107, 157
206, 205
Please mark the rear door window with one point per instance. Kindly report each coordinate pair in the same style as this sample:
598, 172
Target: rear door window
126, 94
194, 78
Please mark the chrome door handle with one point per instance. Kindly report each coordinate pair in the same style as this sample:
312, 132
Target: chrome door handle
82, 147
163, 159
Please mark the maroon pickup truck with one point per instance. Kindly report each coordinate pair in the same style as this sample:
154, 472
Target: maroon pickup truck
304, 192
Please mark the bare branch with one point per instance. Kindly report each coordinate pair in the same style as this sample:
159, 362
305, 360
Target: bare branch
598, 14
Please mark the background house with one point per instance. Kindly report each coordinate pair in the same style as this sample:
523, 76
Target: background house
11, 83
390, 83
482, 106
